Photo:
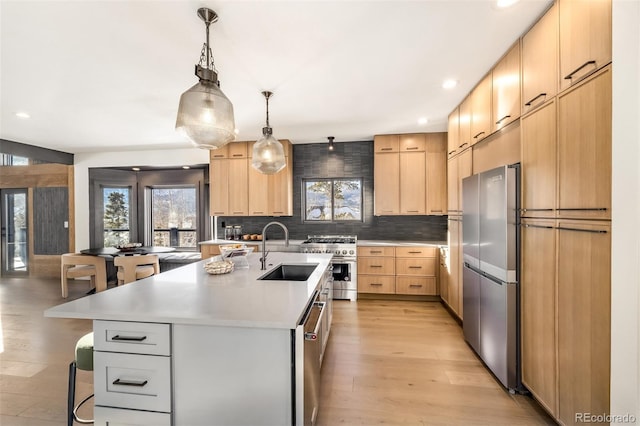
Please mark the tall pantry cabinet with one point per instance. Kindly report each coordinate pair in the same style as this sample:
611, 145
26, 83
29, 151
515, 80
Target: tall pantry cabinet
566, 210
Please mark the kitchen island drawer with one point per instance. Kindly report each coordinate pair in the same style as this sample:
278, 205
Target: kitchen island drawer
376, 251
376, 265
416, 285
140, 382
376, 284
416, 266
416, 251
132, 337
108, 416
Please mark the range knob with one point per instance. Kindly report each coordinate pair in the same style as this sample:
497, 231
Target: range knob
344, 252
351, 252
337, 251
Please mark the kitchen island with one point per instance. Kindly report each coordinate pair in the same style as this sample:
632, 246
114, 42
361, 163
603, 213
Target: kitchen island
185, 347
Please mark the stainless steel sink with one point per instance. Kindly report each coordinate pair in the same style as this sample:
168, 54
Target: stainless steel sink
290, 272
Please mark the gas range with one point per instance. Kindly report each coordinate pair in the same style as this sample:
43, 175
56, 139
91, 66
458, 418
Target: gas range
341, 246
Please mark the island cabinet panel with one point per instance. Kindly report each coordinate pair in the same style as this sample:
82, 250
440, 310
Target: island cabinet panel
108, 416
505, 89
481, 110
585, 38
232, 368
453, 132
538, 163
584, 149
584, 318
540, 61
538, 311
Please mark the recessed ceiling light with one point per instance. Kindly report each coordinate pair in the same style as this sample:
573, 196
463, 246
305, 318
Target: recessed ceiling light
22, 114
423, 120
449, 84
506, 3
186, 167
135, 169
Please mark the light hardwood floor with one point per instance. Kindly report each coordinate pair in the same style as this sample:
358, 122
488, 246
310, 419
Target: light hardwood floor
392, 363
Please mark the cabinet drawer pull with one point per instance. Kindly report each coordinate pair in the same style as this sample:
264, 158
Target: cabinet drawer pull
463, 145
375, 284
436, 211
238, 212
534, 99
258, 213
386, 149
135, 383
218, 156
237, 155
451, 152
570, 75
598, 209
411, 148
219, 213
278, 212
412, 211
592, 231
502, 119
415, 285
129, 338
537, 226
375, 266
375, 251
535, 210
476, 136
415, 267
416, 252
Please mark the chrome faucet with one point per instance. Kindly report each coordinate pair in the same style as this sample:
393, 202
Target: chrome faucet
263, 258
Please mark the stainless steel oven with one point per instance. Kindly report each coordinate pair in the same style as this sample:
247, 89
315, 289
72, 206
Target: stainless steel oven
345, 270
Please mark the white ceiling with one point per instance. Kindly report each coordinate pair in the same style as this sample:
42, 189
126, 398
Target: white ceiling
107, 75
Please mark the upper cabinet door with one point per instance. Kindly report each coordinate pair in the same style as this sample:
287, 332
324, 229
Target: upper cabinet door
464, 131
436, 173
453, 130
386, 183
481, 110
413, 142
386, 143
506, 89
585, 38
540, 61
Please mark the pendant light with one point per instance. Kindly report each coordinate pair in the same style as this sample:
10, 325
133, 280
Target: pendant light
205, 114
268, 154
331, 138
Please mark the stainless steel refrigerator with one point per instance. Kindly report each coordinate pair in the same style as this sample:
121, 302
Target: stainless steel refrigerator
490, 205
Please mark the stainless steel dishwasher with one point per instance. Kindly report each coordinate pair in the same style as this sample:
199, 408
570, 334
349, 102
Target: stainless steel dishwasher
312, 326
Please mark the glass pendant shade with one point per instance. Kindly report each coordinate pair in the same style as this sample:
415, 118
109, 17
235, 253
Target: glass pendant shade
268, 155
205, 116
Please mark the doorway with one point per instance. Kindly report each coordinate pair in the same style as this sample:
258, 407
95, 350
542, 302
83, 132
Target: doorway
14, 233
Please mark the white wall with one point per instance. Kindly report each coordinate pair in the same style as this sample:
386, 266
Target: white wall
83, 161
625, 275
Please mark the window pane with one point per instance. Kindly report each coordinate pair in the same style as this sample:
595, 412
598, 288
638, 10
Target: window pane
347, 200
116, 216
318, 200
174, 217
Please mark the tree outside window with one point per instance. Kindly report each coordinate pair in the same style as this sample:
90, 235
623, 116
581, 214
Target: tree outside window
116, 216
332, 200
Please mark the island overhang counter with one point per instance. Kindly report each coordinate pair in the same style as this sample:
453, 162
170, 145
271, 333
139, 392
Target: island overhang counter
215, 349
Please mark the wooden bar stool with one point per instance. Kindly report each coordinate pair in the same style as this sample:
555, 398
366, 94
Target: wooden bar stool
76, 265
132, 268
83, 361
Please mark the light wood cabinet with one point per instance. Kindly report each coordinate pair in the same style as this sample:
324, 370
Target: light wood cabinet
376, 270
412, 180
505, 89
538, 311
453, 132
376, 266
436, 152
540, 61
376, 251
502, 147
538, 162
210, 250
237, 189
584, 149
377, 284
454, 290
585, 38
464, 130
452, 187
584, 318
481, 110
443, 279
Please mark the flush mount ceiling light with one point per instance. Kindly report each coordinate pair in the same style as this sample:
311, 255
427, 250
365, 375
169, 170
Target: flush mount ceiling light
205, 114
331, 138
449, 84
22, 114
268, 154
505, 3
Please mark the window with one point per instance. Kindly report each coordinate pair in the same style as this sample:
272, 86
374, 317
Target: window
332, 200
174, 216
116, 218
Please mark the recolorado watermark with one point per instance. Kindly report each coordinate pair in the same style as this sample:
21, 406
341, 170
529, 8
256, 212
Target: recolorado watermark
604, 418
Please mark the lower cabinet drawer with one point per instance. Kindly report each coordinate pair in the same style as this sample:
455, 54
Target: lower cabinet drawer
376, 265
416, 285
107, 416
132, 337
416, 266
141, 382
376, 284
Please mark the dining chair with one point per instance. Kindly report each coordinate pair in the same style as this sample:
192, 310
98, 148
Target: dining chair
77, 265
132, 268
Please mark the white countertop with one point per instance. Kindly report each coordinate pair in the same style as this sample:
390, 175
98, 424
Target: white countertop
189, 295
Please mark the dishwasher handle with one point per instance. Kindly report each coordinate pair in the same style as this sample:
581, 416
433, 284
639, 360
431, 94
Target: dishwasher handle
313, 335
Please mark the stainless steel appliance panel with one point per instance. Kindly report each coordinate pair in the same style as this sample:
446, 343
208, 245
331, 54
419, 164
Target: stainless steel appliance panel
471, 221
497, 238
471, 306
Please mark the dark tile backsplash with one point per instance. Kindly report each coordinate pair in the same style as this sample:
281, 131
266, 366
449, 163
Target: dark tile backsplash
351, 159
